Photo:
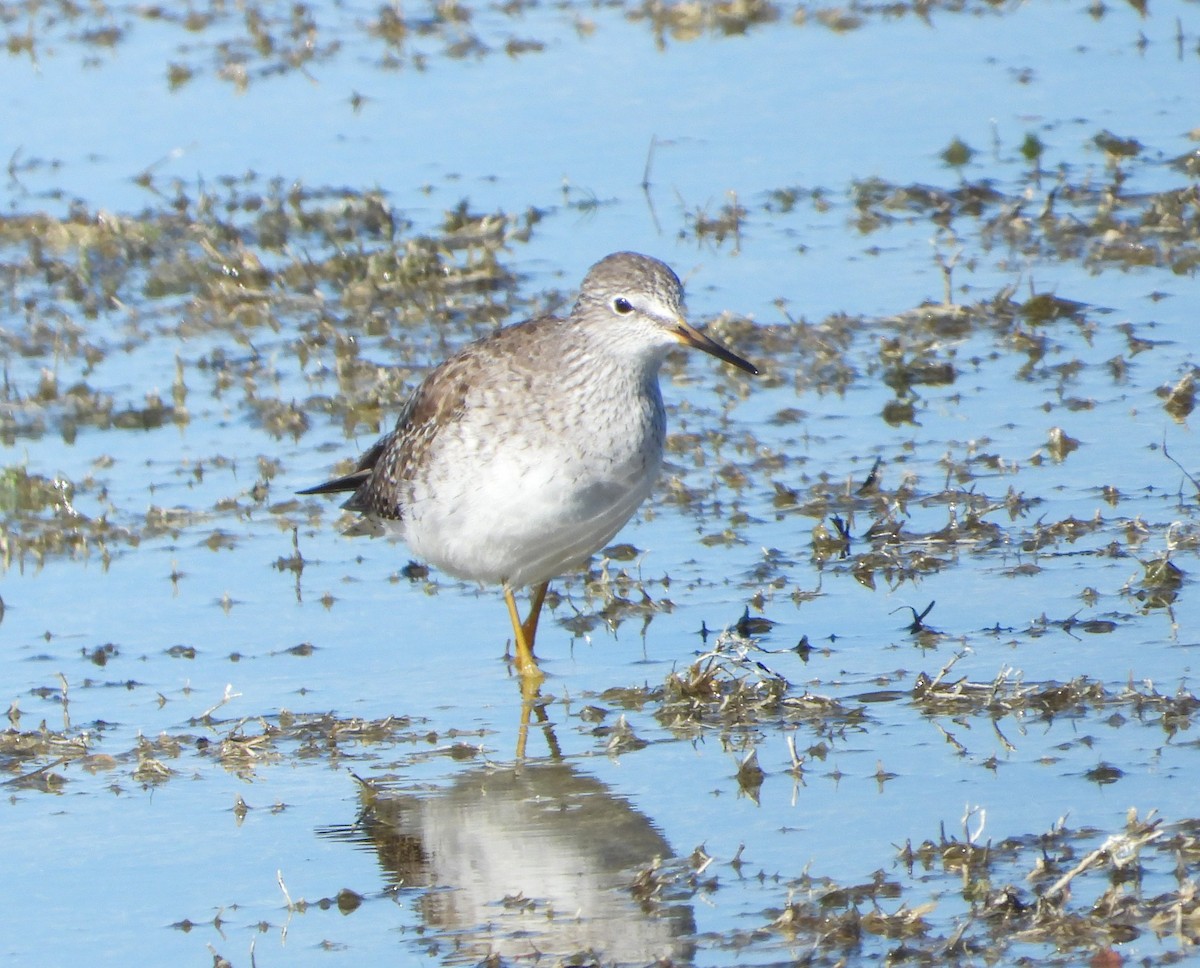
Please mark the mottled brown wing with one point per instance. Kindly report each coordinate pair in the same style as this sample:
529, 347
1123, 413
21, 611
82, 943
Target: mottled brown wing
378, 480
356, 478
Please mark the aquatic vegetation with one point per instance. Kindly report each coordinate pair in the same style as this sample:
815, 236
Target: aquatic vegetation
910, 618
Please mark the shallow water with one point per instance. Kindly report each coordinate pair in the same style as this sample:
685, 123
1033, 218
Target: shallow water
235, 732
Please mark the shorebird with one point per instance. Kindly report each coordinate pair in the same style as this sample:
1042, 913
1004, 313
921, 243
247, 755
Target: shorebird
528, 450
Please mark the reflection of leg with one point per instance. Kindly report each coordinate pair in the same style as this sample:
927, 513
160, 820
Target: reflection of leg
548, 729
526, 664
531, 690
532, 704
523, 729
535, 610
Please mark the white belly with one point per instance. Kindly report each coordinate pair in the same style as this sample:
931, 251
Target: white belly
521, 534
524, 506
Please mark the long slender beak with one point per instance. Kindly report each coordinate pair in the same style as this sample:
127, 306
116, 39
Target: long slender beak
687, 334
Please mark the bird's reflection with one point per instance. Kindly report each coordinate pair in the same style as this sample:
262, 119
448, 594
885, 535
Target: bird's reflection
537, 859
533, 711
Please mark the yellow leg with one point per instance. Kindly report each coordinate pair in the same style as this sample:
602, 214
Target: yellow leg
526, 664
531, 676
535, 610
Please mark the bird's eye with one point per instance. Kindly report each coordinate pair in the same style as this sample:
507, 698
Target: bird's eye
622, 305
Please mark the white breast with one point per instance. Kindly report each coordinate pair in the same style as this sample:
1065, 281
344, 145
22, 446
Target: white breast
523, 501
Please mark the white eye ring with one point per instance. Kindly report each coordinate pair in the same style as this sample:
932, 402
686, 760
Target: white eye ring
622, 306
